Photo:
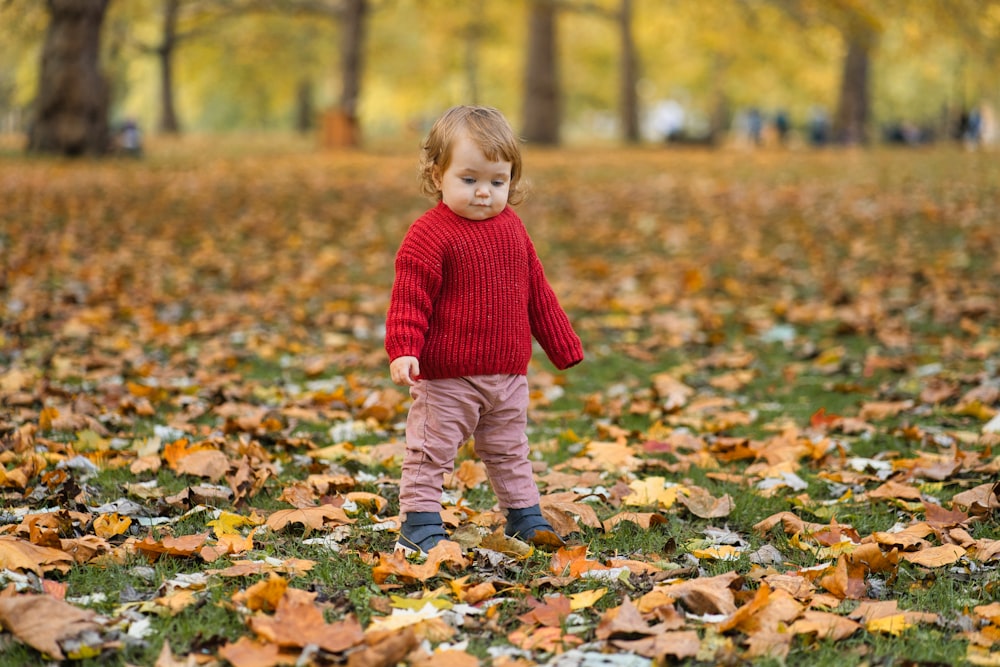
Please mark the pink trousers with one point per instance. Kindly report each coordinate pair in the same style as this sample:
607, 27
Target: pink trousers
493, 409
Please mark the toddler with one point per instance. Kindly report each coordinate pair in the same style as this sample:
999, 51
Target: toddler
468, 296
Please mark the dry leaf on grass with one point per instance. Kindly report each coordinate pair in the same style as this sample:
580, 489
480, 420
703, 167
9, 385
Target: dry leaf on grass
42, 622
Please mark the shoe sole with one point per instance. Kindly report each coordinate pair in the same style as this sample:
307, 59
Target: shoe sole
409, 551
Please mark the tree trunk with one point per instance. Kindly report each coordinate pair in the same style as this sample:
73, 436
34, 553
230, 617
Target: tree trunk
473, 37
629, 76
304, 112
71, 110
850, 124
542, 104
719, 118
352, 41
165, 52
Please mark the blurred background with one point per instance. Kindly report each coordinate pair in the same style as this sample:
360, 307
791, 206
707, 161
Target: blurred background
91, 76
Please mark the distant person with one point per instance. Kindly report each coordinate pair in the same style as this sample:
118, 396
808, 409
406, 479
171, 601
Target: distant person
468, 296
972, 132
819, 126
781, 126
668, 120
130, 138
755, 126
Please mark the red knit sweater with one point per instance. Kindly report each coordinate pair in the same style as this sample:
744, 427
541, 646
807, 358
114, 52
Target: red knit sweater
468, 296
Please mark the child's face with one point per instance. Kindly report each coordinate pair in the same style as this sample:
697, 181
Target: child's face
473, 186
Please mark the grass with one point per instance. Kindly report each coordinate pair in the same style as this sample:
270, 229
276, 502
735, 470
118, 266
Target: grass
843, 275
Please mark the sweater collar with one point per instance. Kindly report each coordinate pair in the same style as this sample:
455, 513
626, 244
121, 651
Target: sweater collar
443, 211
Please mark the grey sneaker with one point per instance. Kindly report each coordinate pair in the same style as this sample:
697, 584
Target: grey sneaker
420, 532
529, 525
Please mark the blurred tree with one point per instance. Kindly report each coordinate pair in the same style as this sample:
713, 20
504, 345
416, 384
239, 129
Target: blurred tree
542, 84
863, 24
861, 32
629, 76
859, 26
542, 94
179, 23
353, 24
31, 21
342, 125
71, 110
473, 33
170, 37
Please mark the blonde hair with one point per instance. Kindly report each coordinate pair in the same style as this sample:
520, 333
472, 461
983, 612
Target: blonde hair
490, 131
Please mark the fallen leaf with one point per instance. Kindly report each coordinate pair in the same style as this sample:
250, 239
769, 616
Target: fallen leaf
298, 622
316, 518
945, 554
42, 622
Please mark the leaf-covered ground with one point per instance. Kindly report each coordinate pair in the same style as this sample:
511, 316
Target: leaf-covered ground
780, 446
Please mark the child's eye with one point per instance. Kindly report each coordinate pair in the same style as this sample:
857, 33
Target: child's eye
498, 184
467, 180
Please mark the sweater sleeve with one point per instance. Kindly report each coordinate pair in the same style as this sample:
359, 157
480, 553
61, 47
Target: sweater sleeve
417, 282
549, 323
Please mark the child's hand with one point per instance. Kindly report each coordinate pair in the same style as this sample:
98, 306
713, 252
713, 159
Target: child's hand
405, 370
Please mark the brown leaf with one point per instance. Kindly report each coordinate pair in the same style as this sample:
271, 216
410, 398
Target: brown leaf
622, 622
645, 520
316, 518
769, 644
981, 500
246, 652
911, 537
706, 595
41, 621
765, 612
20, 555
572, 561
945, 554
702, 504
396, 563
298, 622
186, 545
938, 517
547, 639
892, 490
825, 625
468, 475
673, 393
384, 649
551, 613
447, 658
209, 463
678, 645
877, 411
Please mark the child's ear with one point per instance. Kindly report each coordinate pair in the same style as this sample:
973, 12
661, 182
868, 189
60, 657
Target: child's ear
436, 177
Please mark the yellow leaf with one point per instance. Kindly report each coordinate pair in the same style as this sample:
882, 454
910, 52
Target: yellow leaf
109, 525
88, 440
84, 652
425, 611
586, 599
46, 417
264, 595
229, 524
724, 552
175, 602
982, 656
651, 491
890, 625
416, 604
